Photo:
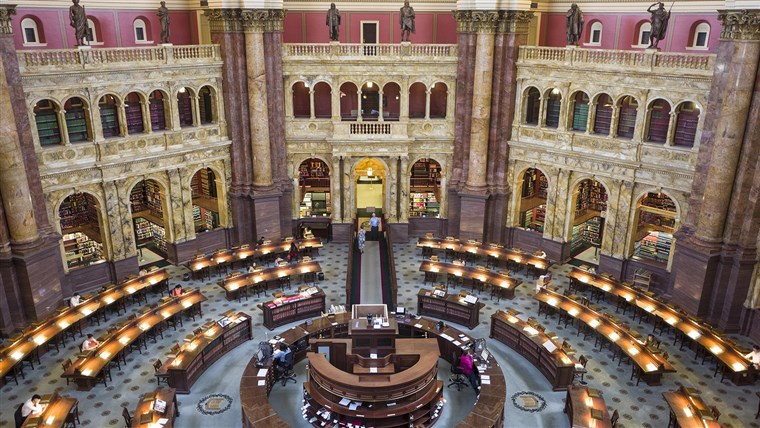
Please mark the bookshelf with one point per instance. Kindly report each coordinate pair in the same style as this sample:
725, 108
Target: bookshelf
591, 197
603, 118
76, 124
133, 112
552, 110
580, 112
533, 218
109, 118
184, 104
587, 234
287, 309
157, 114
314, 174
654, 246
656, 225
686, 125
424, 189
47, 128
627, 117
147, 231
80, 250
658, 122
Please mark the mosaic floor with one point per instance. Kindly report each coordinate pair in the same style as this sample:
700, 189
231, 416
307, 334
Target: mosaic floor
530, 402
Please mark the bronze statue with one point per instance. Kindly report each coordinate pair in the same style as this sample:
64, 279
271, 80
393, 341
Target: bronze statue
163, 17
78, 20
333, 21
574, 25
660, 18
406, 19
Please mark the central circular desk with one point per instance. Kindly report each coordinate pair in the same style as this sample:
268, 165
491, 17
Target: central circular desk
257, 382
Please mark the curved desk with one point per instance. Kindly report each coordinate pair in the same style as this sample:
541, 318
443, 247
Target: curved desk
256, 383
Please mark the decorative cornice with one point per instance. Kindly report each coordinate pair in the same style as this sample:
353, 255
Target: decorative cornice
6, 11
740, 24
492, 21
237, 20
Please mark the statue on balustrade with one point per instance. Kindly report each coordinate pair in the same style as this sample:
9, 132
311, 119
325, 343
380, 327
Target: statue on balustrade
78, 20
163, 17
660, 18
574, 25
333, 21
406, 19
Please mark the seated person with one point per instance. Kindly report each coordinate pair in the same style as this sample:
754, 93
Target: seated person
252, 268
261, 241
754, 357
143, 272
31, 406
176, 291
280, 354
75, 300
293, 252
278, 260
650, 342
466, 365
90, 343
540, 253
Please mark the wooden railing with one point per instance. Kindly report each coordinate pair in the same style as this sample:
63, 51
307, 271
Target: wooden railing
368, 51
79, 59
647, 60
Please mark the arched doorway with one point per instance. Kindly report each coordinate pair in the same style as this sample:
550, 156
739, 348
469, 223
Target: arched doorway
149, 220
425, 189
589, 210
533, 196
370, 176
656, 216
80, 219
206, 209
314, 187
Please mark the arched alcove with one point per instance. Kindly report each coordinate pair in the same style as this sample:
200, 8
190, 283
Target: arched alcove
314, 187
533, 195
589, 209
370, 101
301, 100
391, 101
81, 230
149, 219
656, 221
370, 176
425, 188
77, 120
46, 119
580, 111
627, 116
349, 103
553, 105
438, 100
603, 115
159, 110
322, 100
417, 100
206, 190
134, 113
109, 115
659, 121
185, 107
687, 119
532, 106
207, 105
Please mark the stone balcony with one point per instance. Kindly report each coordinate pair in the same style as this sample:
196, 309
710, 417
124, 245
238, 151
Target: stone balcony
404, 130
369, 53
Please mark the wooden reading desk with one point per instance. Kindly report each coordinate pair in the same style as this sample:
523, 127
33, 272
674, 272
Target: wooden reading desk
449, 307
146, 416
736, 366
494, 251
59, 412
497, 280
204, 348
585, 408
688, 409
86, 369
651, 364
236, 281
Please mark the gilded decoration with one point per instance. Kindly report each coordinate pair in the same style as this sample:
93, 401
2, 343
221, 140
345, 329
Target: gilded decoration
493, 21
236, 20
740, 24
6, 12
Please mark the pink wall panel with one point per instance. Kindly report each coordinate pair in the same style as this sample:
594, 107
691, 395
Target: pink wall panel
447, 29
423, 25
684, 25
292, 28
608, 30
354, 25
318, 32
627, 32
48, 23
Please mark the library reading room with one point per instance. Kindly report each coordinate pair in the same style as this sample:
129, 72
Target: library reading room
379, 214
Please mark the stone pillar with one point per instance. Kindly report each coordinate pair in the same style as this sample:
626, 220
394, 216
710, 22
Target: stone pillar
147, 129
591, 117
258, 113
122, 118
63, 126
311, 104
711, 264
196, 110
671, 128
335, 104
403, 113
380, 106
427, 104
614, 121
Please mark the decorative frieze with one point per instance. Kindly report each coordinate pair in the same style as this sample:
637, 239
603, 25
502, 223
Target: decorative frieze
493, 21
237, 20
740, 24
6, 12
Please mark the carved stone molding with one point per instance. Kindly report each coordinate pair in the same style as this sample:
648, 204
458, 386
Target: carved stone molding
6, 11
236, 20
740, 24
493, 21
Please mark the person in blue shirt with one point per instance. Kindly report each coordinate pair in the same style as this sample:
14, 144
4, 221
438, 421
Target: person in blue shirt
374, 224
280, 354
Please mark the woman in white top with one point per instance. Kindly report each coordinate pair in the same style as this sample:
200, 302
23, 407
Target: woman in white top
75, 300
32, 405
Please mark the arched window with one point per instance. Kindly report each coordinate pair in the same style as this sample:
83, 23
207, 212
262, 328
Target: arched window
392, 101
580, 111
109, 117
590, 204
46, 119
150, 217
438, 99
533, 106
603, 115
185, 107
349, 104
157, 111
81, 230
133, 111
140, 31
322, 100
92, 32
77, 120
370, 101
659, 119
207, 105
700, 36
301, 100
686, 124
627, 117
595, 34
32, 32
643, 35
553, 104
417, 100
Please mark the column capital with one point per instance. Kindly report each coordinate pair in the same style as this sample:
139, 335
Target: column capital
493, 21
6, 12
237, 20
740, 24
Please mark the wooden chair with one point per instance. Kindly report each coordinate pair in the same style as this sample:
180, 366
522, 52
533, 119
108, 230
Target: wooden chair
105, 372
580, 372
614, 419
715, 413
66, 364
127, 417
73, 416
160, 377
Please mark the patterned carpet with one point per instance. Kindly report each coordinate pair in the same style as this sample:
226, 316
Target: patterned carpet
209, 406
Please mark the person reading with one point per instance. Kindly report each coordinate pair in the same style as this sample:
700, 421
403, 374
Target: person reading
293, 252
261, 241
177, 291
252, 268
754, 356
466, 365
32, 406
90, 343
75, 300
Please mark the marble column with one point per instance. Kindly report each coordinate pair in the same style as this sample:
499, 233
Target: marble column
258, 115
710, 266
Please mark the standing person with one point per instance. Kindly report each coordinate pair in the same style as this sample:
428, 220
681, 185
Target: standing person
90, 343
333, 22
374, 224
660, 18
362, 239
406, 19
163, 17
78, 20
574, 25
465, 364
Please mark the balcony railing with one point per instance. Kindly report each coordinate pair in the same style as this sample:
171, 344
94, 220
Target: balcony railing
701, 64
82, 59
357, 50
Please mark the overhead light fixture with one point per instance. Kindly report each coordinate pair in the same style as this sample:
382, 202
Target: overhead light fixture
369, 84
182, 90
